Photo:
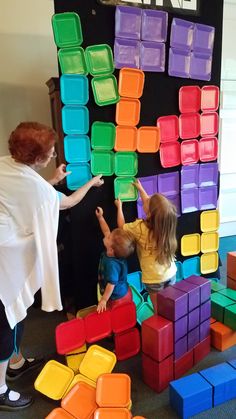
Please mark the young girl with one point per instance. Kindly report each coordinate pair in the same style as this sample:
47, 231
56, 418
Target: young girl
155, 240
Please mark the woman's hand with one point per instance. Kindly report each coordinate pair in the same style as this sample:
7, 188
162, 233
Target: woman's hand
59, 174
97, 181
102, 306
118, 203
99, 212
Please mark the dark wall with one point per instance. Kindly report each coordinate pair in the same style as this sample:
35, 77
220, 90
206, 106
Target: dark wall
160, 98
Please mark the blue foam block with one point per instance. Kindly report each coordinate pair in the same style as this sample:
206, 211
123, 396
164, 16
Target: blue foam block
190, 395
232, 362
223, 379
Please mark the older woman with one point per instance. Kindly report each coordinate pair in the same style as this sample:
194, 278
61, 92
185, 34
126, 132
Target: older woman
29, 209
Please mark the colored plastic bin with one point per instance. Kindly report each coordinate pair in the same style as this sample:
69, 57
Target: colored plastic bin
209, 242
135, 279
127, 344
179, 273
85, 311
170, 154
190, 176
189, 99
209, 262
77, 379
70, 335
203, 38
54, 379
59, 413
128, 111
191, 266
189, 200
80, 401
128, 22
137, 297
189, 152
200, 66
97, 326
97, 361
144, 311
181, 35
126, 138
124, 189
208, 149
208, 174
77, 148
208, 197
112, 412
126, 53
125, 163
67, 29
99, 59
105, 394
131, 82
148, 139
209, 98
190, 244
74, 358
154, 25
103, 135
74, 89
168, 183
102, 162
105, 90
189, 125
72, 61
80, 174
179, 63
75, 119
149, 183
123, 317
169, 128
152, 56
209, 122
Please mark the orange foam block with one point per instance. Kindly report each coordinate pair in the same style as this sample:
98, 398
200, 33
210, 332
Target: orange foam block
222, 337
231, 283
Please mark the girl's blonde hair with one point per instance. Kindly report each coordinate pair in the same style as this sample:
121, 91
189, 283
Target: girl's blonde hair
162, 222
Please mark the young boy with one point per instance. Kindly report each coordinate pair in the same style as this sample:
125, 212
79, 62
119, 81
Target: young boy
112, 271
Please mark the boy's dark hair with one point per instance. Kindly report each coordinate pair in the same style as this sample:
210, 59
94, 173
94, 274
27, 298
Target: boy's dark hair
123, 243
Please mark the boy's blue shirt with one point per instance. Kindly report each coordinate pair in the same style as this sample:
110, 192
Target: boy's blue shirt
114, 271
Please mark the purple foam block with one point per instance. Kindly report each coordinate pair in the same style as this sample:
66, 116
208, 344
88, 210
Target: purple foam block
180, 347
190, 176
128, 22
204, 284
175, 199
193, 292
181, 35
172, 303
193, 318
204, 330
200, 66
180, 328
126, 53
152, 56
179, 63
168, 183
208, 174
207, 197
193, 338
205, 311
150, 184
140, 211
203, 38
189, 200
154, 25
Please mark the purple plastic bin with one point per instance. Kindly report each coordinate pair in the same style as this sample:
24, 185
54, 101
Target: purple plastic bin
208, 197
203, 38
128, 22
180, 347
204, 284
208, 174
179, 63
193, 318
189, 200
140, 211
193, 292
205, 311
200, 66
193, 338
190, 176
172, 303
126, 53
204, 330
149, 183
152, 56
168, 183
180, 328
154, 25
175, 199
181, 35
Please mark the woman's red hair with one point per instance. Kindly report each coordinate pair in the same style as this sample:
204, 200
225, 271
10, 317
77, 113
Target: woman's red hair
31, 141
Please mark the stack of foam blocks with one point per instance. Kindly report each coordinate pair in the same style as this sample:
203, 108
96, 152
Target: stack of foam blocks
179, 336
231, 270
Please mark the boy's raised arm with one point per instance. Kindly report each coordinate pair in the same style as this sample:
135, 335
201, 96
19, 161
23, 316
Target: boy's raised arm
120, 215
102, 222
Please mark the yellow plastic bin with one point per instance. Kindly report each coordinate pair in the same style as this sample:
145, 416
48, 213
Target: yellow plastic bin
97, 361
54, 379
84, 311
74, 358
78, 378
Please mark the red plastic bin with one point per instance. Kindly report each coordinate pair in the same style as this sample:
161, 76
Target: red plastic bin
169, 128
170, 154
210, 98
97, 326
189, 152
123, 317
127, 344
208, 149
189, 125
70, 335
189, 99
209, 124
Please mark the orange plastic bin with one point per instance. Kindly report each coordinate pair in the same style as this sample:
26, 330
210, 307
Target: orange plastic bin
80, 402
59, 413
105, 394
112, 413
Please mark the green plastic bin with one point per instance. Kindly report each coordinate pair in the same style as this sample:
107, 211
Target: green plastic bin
99, 60
144, 311
72, 61
126, 163
67, 29
103, 135
102, 162
137, 297
124, 189
105, 90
